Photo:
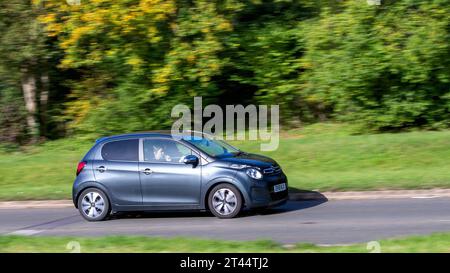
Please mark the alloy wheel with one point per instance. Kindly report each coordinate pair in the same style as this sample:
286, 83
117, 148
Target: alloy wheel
92, 204
224, 201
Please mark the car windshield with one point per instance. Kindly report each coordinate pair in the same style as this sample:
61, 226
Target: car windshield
213, 147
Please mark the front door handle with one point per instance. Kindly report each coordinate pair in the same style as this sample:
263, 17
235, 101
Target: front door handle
148, 171
101, 169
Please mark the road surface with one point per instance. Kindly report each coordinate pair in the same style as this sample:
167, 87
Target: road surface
319, 222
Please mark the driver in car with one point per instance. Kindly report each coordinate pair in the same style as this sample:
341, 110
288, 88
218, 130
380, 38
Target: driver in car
167, 153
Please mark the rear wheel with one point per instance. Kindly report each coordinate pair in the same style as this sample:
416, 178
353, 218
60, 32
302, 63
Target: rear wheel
93, 205
225, 201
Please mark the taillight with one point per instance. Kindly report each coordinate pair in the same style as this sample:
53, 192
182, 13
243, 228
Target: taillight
80, 167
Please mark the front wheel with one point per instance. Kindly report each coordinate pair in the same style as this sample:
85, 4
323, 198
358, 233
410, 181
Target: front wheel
225, 201
93, 205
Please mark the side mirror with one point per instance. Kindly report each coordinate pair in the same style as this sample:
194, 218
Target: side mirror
191, 159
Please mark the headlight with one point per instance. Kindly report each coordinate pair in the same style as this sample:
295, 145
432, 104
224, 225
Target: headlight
254, 173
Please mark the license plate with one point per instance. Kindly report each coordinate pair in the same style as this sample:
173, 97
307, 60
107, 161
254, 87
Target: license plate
279, 187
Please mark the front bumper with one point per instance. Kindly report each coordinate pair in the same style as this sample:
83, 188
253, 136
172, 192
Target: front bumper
262, 192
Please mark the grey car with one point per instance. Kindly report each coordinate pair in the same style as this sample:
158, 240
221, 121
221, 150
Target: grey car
162, 172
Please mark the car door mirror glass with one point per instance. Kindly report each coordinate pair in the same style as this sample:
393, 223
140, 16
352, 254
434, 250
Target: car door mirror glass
191, 159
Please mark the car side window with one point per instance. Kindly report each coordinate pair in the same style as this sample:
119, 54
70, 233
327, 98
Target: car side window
165, 150
121, 150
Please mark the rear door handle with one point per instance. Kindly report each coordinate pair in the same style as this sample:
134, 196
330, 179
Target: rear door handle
101, 169
147, 171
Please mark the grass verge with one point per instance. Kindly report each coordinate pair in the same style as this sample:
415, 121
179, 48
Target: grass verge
435, 243
324, 157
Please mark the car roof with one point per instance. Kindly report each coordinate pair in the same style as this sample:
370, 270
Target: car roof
164, 134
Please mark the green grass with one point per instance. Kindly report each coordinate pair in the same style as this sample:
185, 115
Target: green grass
319, 157
328, 157
439, 242
43, 172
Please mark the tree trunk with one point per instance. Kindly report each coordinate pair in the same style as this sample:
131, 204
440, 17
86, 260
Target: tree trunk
29, 95
43, 101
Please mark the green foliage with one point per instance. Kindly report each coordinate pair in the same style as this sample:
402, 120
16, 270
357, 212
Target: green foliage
120, 66
22, 40
383, 66
138, 59
267, 58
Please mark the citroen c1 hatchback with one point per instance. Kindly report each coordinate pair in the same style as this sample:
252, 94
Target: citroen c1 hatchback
159, 171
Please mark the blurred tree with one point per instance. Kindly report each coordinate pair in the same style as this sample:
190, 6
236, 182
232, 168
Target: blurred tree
137, 58
386, 67
12, 116
265, 51
127, 63
24, 70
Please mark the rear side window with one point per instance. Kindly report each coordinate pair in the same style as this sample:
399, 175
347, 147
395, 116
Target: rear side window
124, 150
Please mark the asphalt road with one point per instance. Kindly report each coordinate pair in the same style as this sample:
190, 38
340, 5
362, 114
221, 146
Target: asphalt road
331, 222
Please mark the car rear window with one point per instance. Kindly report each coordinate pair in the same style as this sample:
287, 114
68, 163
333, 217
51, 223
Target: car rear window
124, 150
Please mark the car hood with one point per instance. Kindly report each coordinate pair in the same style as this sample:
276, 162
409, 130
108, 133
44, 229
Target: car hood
250, 159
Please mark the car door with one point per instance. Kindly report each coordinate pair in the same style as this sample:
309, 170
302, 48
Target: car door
165, 179
118, 170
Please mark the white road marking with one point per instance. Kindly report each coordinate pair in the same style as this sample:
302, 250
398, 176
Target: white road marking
26, 232
426, 197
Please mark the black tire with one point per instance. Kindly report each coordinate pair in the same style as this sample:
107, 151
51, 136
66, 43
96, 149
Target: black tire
226, 189
86, 195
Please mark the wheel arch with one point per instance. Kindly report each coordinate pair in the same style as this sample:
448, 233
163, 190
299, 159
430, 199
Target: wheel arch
92, 185
215, 182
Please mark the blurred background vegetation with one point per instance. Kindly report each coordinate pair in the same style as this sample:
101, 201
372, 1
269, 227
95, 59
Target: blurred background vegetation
347, 76
107, 66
